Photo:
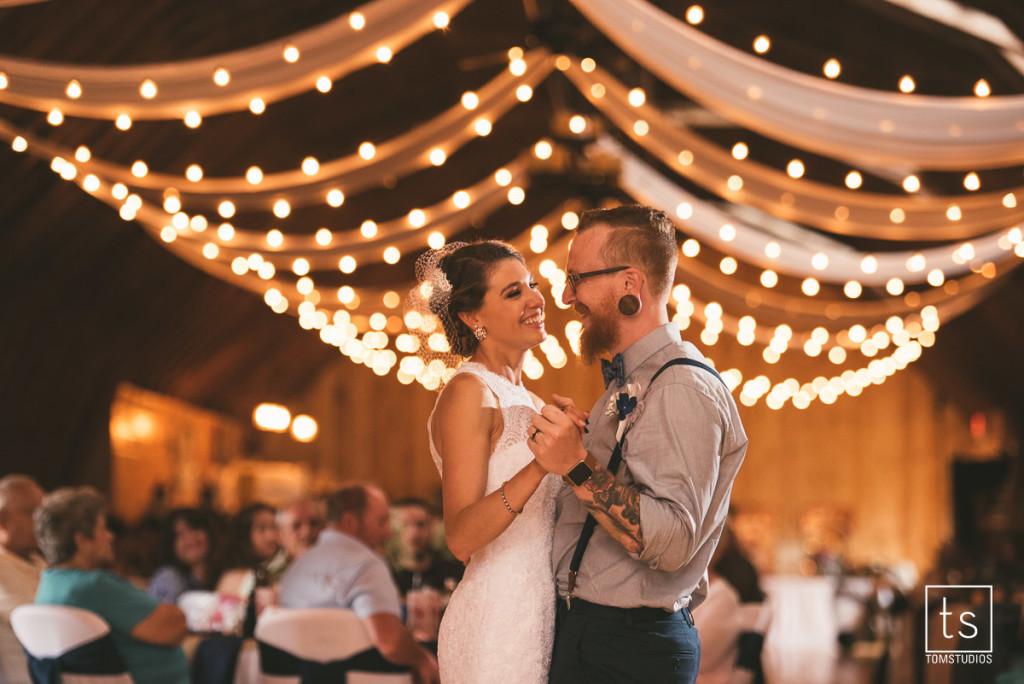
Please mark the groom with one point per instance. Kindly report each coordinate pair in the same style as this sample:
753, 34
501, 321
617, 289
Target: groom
624, 606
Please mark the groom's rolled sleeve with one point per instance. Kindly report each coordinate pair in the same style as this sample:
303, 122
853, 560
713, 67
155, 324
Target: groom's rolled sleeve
673, 456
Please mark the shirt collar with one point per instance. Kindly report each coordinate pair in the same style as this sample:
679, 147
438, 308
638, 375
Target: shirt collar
647, 346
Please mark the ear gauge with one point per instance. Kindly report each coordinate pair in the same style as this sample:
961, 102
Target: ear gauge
629, 305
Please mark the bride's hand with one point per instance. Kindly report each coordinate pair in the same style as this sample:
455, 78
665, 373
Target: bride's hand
569, 408
555, 440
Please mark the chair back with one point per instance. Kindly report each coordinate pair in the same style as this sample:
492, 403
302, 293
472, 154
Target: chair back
67, 645
311, 645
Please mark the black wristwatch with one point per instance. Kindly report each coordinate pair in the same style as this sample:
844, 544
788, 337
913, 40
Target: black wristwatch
580, 472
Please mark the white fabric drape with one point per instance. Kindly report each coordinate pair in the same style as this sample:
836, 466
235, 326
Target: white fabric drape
833, 209
396, 157
812, 113
487, 196
332, 49
844, 263
772, 307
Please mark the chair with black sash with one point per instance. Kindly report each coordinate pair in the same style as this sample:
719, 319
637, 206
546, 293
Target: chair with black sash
68, 645
321, 646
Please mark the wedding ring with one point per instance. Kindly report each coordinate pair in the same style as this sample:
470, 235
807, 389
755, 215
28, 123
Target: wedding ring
533, 437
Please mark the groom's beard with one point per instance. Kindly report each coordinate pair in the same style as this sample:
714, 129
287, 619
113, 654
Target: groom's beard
599, 334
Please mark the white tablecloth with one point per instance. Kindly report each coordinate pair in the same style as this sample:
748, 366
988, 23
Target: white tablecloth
801, 646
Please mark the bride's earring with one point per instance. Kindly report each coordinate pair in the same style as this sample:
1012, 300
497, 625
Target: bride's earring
480, 332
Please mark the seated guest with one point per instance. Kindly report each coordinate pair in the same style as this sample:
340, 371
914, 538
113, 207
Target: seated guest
416, 562
299, 523
20, 565
346, 569
731, 643
732, 563
71, 525
188, 556
253, 552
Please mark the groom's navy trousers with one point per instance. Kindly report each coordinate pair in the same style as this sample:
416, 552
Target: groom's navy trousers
597, 644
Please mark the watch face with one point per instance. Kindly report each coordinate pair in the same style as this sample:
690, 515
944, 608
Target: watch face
580, 474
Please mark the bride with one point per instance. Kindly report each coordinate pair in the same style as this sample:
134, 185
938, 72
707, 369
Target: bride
498, 502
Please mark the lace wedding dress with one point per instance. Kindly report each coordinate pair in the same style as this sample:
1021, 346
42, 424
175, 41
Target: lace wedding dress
500, 622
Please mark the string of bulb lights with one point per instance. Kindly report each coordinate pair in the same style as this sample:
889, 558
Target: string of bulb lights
736, 264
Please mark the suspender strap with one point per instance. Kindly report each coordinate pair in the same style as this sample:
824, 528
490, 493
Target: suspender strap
613, 468
685, 362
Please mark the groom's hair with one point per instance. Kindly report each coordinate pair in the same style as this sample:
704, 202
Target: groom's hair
641, 237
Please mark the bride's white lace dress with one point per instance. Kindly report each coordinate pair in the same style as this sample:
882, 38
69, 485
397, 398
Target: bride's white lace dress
500, 622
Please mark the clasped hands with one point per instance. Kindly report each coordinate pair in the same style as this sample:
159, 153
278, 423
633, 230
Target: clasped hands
555, 435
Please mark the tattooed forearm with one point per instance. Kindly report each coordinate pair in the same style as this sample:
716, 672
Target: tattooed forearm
616, 507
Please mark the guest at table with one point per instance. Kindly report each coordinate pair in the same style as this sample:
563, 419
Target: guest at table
188, 556
346, 569
253, 551
416, 562
299, 523
20, 565
71, 525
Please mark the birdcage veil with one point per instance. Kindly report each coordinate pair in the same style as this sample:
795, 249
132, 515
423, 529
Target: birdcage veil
428, 318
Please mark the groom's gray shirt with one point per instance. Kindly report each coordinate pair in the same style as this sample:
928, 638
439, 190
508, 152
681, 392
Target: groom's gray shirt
682, 453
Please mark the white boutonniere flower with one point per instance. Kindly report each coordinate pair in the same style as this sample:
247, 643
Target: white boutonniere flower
626, 405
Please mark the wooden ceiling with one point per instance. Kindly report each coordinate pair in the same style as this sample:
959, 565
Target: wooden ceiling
88, 300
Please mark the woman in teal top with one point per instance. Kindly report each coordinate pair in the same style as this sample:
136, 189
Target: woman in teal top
71, 526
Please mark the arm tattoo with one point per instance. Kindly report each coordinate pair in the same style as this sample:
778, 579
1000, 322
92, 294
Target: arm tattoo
616, 507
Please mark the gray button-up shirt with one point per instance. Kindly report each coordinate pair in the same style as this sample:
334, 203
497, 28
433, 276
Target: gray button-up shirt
682, 454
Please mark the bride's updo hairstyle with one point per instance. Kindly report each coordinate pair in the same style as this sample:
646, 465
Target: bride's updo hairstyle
466, 269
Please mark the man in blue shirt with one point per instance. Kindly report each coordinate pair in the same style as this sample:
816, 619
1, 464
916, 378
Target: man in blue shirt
71, 526
346, 569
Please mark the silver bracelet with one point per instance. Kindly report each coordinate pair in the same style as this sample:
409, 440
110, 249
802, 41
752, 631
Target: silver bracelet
501, 490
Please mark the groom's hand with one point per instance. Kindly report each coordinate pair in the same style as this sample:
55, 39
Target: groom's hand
555, 440
569, 408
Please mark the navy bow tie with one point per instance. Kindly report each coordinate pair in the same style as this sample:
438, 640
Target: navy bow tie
613, 370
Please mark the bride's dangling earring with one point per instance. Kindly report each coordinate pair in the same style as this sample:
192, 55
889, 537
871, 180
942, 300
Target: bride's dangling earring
480, 333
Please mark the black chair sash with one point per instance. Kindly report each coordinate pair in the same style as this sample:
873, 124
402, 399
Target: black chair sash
277, 662
99, 657
215, 660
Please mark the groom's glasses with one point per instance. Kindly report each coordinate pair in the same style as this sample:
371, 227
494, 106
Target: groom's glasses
575, 278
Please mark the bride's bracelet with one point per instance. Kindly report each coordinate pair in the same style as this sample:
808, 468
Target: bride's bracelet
501, 490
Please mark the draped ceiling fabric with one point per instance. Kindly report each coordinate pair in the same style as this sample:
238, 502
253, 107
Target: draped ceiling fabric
394, 125
830, 118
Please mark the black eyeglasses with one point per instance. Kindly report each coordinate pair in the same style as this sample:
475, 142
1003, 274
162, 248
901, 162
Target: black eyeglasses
574, 278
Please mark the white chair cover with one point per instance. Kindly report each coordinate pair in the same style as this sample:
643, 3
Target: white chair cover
51, 631
321, 635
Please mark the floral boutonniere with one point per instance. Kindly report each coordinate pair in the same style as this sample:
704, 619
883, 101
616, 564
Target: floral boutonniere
626, 405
